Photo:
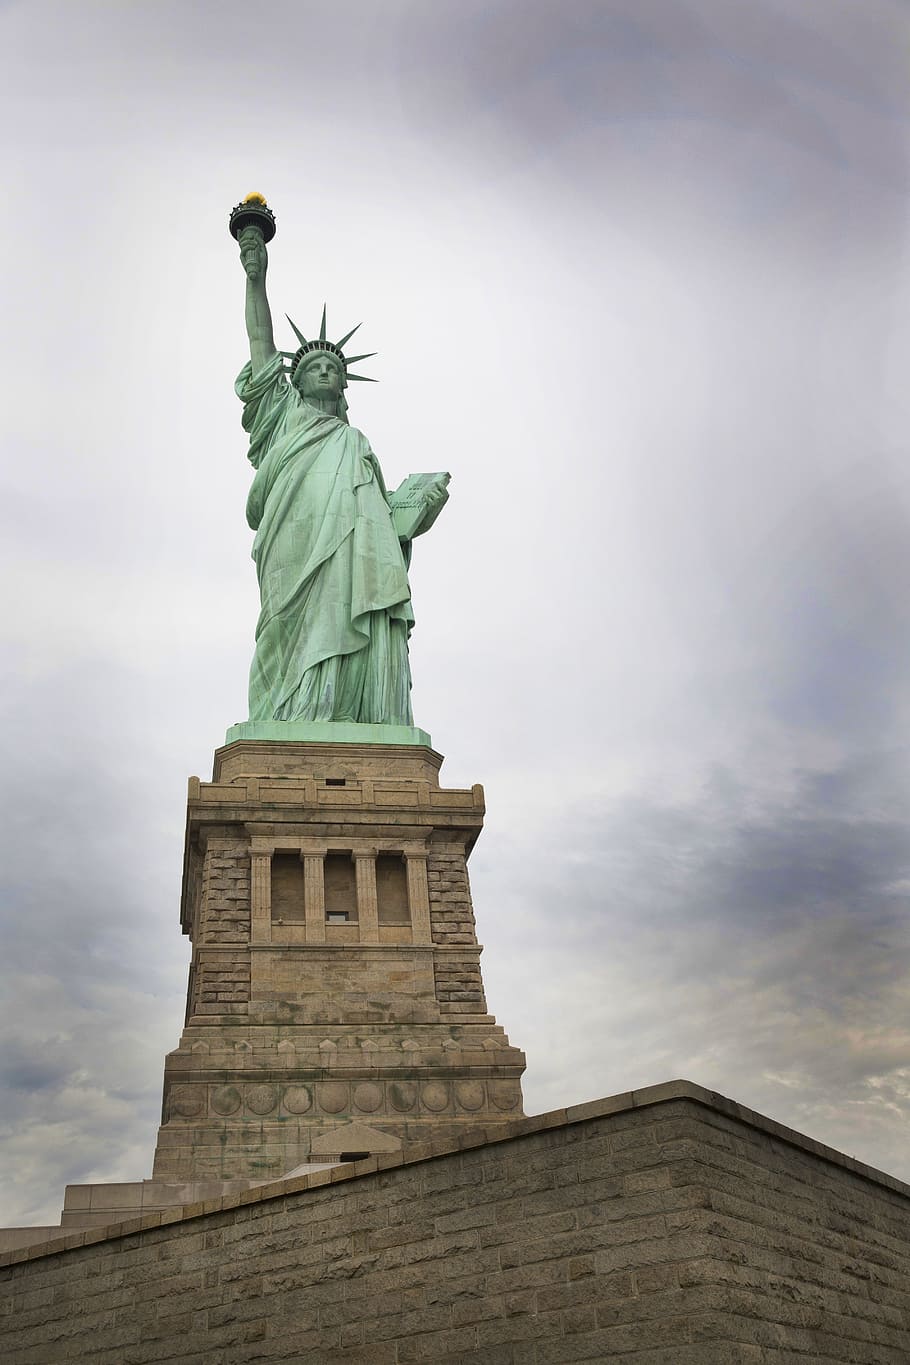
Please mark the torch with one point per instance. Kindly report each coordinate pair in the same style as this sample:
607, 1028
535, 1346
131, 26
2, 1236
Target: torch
252, 212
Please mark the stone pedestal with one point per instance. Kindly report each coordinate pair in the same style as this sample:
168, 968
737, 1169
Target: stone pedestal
335, 1002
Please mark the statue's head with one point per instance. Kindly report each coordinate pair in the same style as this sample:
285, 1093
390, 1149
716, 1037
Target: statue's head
319, 369
320, 375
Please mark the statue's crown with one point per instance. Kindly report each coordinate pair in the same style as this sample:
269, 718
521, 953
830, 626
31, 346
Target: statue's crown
330, 347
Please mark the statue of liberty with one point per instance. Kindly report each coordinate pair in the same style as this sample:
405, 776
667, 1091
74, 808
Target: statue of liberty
332, 546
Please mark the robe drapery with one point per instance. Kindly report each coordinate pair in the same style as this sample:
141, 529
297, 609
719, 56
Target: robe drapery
331, 642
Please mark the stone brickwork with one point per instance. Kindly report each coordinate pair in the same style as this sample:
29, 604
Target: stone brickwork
459, 988
220, 979
451, 913
668, 1227
351, 997
225, 900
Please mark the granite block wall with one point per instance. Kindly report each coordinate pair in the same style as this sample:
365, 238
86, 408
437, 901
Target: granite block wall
668, 1227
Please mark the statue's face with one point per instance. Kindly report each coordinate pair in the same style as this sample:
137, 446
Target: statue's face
320, 377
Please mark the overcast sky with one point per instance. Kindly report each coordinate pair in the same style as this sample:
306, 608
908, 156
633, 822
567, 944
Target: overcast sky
637, 274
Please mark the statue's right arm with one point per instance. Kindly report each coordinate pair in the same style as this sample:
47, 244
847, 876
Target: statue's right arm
255, 260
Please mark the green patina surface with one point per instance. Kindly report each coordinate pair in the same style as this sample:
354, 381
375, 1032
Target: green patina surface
332, 545
326, 732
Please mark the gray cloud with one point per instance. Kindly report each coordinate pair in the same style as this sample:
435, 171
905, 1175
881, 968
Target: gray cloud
761, 122
21, 1070
754, 942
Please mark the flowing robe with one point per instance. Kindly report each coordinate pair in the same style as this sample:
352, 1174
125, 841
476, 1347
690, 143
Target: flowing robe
331, 643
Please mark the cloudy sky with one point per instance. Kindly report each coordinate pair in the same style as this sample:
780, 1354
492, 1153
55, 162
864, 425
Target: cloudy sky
638, 274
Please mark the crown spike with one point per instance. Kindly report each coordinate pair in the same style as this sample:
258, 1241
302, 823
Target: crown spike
322, 325
300, 337
363, 378
347, 336
353, 359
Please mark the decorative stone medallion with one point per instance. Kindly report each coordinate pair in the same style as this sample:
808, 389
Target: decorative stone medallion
403, 1095
297, 1099
469, 1095
368, 1096
505, 1094
435, 1096
226, 1100
332, 1096
261, 1099
186, 1101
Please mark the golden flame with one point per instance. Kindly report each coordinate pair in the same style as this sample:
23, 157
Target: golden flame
255, 198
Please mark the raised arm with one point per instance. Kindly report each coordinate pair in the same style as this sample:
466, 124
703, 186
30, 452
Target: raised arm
255, 259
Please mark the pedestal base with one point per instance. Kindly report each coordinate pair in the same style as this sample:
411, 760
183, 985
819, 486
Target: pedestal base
335, 1004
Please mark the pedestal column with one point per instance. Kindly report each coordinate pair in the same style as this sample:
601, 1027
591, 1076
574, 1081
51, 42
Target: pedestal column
367, 904
314, 896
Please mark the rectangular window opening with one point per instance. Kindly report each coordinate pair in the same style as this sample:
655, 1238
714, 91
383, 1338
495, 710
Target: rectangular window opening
340, 888
334, 781
287, 889
392, 889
